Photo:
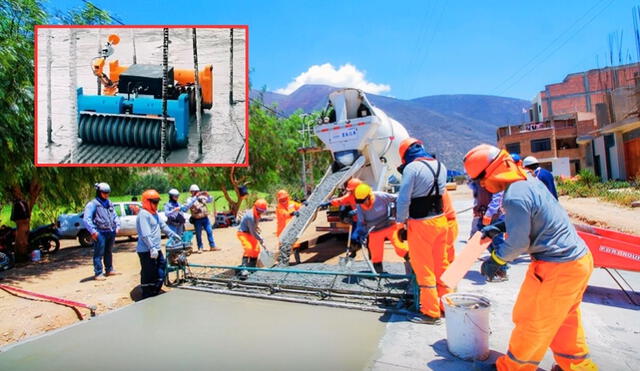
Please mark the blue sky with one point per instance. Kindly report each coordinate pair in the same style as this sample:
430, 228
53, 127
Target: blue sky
407, 49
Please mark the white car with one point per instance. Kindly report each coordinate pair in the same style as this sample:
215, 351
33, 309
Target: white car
71, 225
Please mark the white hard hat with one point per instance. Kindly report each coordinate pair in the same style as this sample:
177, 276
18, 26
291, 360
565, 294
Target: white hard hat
194, 188
174, 192
103, 187
529, 160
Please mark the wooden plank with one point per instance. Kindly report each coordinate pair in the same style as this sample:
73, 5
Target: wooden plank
463, 261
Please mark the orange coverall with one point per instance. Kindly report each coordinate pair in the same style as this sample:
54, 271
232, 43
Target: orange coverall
452, 223
283, 216
376, 242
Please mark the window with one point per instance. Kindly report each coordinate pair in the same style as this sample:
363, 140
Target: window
540, 145
566, 143
513, 147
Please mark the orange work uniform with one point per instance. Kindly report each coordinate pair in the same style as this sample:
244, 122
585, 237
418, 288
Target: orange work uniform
452, 226
283, 216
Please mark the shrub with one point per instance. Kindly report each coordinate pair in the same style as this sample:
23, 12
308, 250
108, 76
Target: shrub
157, 181
587, 177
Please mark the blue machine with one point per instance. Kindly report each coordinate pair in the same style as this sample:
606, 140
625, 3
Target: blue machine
137, 122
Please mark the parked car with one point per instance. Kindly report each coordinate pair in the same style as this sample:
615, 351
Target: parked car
71, 225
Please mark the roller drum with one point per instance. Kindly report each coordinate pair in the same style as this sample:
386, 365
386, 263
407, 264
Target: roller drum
120, 130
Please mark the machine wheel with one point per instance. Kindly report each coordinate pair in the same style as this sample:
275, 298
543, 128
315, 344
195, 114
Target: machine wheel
85, 239
6, 261
49, 244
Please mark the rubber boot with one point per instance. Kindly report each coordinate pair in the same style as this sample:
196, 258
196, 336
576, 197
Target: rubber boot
243, 274
378, 268
252, 262
407, 266
296, 255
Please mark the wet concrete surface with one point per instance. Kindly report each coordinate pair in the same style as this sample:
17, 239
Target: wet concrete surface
189, 330
223, 126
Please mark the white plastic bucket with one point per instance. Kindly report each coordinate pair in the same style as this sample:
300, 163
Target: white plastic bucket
467, 320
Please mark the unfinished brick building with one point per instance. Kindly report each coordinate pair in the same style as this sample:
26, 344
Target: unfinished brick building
570, 122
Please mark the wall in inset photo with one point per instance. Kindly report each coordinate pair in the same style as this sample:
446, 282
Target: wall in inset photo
129, 96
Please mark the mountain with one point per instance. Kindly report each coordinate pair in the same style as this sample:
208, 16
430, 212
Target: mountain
448, 124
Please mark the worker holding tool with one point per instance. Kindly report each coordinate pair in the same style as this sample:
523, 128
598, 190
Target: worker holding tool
420, 206
376, 215
531, 164
197, 204
285, 211
249, 236
173, 211
452, 226
150, 226
101, 220
546, 313
348, 202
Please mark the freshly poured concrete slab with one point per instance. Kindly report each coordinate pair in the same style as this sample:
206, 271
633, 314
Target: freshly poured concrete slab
192, 330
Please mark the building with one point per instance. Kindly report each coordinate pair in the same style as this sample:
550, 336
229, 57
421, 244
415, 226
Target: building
582, 122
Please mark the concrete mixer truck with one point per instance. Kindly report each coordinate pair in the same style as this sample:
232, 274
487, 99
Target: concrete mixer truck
364, 143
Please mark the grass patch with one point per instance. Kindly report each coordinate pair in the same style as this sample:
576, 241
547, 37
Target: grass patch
589, 185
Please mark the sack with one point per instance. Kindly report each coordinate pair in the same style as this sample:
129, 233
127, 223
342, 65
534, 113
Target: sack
199, 209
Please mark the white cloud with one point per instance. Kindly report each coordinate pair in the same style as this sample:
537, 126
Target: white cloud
346, 76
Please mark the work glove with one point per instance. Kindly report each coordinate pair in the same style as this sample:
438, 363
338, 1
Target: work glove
324, 205
295, 213
491, 267
154, 253
493, 230
402, 234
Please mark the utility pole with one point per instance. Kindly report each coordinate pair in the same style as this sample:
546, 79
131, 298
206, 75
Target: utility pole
305, 131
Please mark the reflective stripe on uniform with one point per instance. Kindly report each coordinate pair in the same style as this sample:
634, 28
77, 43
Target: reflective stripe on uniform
570, 356
513, 358
427, 286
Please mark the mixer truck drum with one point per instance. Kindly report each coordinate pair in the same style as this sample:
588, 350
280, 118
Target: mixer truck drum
125, 130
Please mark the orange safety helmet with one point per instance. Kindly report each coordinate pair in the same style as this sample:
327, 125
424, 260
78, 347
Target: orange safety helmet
150, 200
352, 184
404, 146
282, 195
260, 206
492, 167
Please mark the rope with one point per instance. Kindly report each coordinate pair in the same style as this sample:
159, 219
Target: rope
231, 102
197, 82
49, 61
165, 63
73, 96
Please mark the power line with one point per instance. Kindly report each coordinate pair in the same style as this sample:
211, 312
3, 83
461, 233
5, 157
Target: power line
541, 52
558, 48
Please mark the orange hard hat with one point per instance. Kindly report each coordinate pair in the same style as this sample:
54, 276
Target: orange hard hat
478, 159
260, 205
150, 200
282, 195
352, 184
404, 146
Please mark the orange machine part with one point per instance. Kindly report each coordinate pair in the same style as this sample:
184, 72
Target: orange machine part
186, 76
612, 249
115, 69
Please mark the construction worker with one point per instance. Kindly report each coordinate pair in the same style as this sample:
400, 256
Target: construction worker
546, 313
452, 226
173, 211
375, 214
249, 235
285, 211
531, 164
420, 206
101, 220
150, 226
197, 204
348, 202
486, 207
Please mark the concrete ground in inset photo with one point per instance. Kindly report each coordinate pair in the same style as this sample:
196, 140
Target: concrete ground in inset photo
223, 126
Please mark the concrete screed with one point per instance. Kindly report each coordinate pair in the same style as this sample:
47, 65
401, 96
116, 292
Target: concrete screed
197, 330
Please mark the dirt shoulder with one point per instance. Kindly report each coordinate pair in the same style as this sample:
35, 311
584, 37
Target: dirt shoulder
601, 213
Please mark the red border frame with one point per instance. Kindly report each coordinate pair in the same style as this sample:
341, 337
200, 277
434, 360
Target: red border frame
35, 100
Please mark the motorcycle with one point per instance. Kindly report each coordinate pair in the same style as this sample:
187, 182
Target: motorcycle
41, 238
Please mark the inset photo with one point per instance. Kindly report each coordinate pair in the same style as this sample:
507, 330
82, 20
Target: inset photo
131, 96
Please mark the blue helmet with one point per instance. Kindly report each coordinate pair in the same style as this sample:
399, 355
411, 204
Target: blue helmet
515, 157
